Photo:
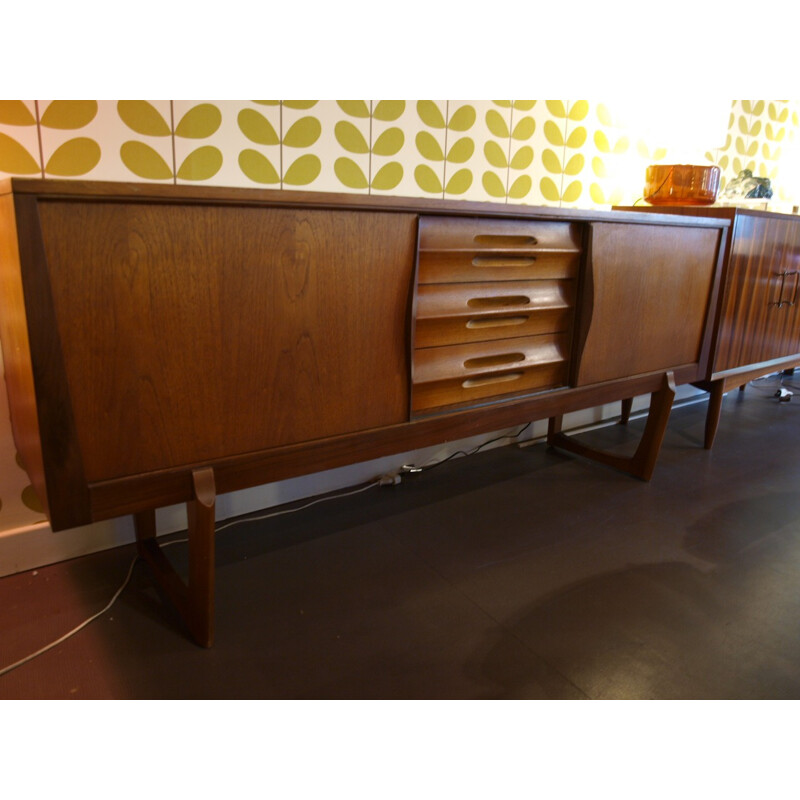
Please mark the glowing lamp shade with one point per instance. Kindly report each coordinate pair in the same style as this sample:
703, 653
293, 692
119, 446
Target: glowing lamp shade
681, 184
686, 127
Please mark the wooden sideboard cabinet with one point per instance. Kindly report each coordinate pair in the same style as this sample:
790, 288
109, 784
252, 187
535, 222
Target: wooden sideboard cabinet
757, 326
165, 344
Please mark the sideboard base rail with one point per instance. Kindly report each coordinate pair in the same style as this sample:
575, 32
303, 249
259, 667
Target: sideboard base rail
642, 463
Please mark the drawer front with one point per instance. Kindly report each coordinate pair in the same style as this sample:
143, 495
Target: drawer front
465, 374
465, 233
494, 309
456, 313
440, 266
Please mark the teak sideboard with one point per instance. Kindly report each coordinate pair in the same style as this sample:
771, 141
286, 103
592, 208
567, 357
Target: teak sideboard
165, 344
758, 318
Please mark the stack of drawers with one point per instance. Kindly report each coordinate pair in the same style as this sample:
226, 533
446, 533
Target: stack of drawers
494, 309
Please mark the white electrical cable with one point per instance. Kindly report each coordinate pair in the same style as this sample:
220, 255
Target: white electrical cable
119, 591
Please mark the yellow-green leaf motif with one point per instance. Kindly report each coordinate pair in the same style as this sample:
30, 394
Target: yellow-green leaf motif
69, 114
522, 158
427, 179
256, 127
577, 138
599, 167
199, 122
551, 162
573, 192
549, 190
463, 119
574, 165
303, 171
524, 129
556, 108
201, 164
460, 182
461, 151
496, 124
389, 110
354, 108
388, 176
429, 147
578, 110
258, 167
142, 118
144, 161
15, 112
303, 133
601, 142
492, 185
15, 159
300, 105
495, 155
350, 138
350, 174
521, 187
430, 114
553, 133
389, 142
74, 157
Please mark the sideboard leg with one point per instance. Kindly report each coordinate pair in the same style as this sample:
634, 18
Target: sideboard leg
554, 426
643, 461
193, 600
201, 557
716, 393
625, 412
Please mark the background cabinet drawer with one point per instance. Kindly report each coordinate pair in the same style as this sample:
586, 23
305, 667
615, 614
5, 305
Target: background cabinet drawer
467, 373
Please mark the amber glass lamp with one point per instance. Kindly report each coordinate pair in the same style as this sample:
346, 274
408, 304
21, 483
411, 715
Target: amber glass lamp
687, 128
681, 184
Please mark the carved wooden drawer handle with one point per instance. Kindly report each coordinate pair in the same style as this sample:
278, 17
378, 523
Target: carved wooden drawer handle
471, 383
504, 261
504, 240
498, 322
499, 302
484, 362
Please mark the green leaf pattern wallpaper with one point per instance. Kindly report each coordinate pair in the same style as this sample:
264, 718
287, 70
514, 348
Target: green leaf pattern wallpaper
536, 152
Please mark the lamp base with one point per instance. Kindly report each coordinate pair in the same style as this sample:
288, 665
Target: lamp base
681, 185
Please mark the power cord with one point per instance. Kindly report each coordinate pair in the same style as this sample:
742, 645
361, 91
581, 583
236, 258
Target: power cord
217, 529
426, 467
387, 479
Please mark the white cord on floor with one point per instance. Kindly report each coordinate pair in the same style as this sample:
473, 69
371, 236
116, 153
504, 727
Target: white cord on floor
119, 591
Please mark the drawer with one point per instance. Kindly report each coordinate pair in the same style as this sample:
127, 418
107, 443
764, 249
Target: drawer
455, 313
469, 233
465, 374
441, 266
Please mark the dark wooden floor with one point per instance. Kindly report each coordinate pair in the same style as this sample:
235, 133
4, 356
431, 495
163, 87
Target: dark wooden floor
515, 573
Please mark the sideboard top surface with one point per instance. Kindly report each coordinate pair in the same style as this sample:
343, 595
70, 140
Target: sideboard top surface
98, 191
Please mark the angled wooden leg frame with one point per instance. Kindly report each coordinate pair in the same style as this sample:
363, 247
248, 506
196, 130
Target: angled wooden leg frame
643, 461
194, 599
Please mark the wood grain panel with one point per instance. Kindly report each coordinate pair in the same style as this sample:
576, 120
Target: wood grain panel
763, 270
475, 265
466, 373
16, 353
646, 299
193, 332
454, 313
518, 236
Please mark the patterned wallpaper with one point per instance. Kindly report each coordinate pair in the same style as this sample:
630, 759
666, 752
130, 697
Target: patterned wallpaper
537, 152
